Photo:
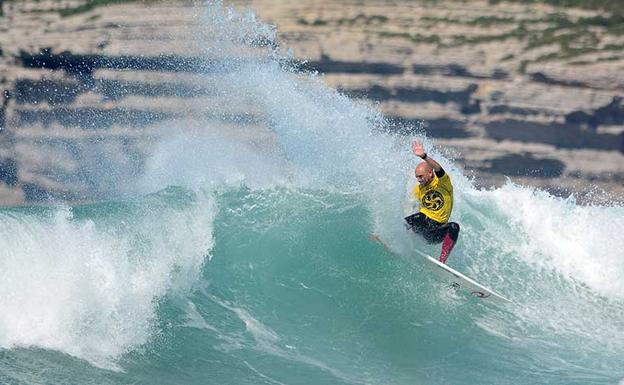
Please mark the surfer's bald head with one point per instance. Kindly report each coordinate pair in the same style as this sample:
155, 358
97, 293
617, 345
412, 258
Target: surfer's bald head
424, 173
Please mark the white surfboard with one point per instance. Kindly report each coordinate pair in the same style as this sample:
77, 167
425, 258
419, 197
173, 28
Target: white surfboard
459, 281
455, 279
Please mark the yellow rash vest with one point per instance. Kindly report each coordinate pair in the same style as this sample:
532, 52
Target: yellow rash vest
436, 198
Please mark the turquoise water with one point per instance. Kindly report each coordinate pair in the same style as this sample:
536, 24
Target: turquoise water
283, 285
237, 264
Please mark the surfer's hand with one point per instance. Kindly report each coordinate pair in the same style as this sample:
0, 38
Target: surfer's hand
418, 149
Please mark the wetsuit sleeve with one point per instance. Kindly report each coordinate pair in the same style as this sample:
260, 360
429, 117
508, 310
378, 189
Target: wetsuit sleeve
445, 179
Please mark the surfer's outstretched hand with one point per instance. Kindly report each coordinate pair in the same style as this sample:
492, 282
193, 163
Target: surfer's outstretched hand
418, 149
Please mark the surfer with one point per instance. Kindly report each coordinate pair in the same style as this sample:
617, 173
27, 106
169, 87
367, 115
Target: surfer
435, 195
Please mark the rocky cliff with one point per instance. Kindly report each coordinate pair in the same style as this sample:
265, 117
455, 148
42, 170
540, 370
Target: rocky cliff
531, 92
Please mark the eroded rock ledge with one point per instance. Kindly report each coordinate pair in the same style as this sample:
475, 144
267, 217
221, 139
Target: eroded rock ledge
491, 83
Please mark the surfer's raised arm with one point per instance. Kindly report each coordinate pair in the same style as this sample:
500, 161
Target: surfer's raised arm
419, 151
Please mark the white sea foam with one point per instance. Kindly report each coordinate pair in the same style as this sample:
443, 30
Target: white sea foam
90, 290
582, 243
561, 263
207, 160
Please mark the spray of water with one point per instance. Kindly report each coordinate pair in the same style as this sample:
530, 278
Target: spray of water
90, 289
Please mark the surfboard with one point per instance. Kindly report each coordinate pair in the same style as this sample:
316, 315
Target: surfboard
455, 279
459, 281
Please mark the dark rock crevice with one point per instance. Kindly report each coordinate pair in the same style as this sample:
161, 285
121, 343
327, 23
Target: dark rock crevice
455, 70
541, 77
58, 92
413, 94
91, 118
556, 134
8, 171
524, 165
435, 128
84, 65
611, 114
327, 65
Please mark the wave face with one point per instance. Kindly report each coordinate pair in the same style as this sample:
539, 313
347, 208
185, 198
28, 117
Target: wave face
235, 264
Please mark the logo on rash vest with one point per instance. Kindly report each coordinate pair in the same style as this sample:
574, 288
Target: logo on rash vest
433, 200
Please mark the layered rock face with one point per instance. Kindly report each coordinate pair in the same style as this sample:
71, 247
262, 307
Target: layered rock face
530, 92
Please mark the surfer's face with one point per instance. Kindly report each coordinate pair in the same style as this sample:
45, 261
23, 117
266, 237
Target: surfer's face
423, 176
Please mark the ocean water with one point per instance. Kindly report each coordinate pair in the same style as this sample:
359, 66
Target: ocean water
228, 263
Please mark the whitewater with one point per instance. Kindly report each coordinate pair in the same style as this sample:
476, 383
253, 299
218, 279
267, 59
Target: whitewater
232, 263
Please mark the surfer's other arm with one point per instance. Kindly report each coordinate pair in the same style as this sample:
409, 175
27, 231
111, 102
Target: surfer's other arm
419, 151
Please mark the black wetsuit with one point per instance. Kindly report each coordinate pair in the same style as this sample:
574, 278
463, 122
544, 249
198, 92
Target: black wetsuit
432, 231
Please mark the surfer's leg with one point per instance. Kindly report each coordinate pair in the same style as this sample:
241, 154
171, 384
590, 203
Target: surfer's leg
450, 238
